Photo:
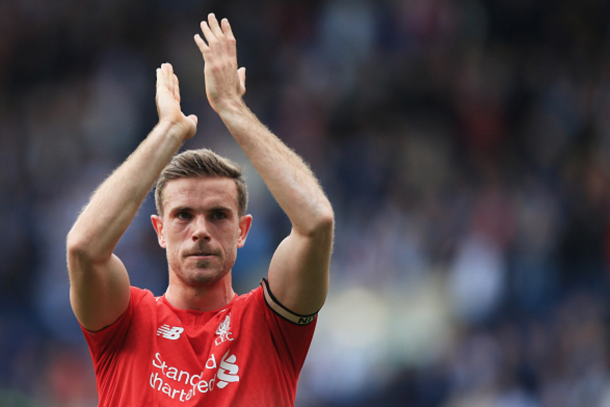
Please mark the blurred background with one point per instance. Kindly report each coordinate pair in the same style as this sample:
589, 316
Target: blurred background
465, 145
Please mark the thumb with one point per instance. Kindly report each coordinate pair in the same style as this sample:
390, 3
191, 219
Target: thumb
242, 76
194, 119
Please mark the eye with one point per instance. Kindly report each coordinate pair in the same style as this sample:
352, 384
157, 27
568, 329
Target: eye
183, 215
218, 215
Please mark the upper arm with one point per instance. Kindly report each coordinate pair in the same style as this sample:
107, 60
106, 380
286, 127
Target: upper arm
99, 290
299, 269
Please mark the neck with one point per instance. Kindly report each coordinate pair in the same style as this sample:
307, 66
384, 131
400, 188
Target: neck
209, 298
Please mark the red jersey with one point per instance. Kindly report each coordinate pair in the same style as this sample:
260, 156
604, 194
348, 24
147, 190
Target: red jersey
249, 353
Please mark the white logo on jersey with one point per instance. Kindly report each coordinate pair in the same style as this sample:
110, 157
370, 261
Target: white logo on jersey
224, 326
183, 384
223, 331
172, 333
227, 372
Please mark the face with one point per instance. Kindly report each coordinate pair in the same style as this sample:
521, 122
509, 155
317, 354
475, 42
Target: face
201, 229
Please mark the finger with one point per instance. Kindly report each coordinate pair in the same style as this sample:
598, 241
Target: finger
194, 119
203, 47
170, 82
231, 42
241, 72
165, 70
159, 73
226, 28
176, 87
161, 78
208, 34
213, 22
162, 88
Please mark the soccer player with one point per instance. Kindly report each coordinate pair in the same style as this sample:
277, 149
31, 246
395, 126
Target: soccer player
200, 343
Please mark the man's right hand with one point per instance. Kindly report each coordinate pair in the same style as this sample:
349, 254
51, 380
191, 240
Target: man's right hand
99, 283
168, 103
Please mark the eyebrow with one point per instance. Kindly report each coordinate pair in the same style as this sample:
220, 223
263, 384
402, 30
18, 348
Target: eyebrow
217, 208
221, 208
180, 209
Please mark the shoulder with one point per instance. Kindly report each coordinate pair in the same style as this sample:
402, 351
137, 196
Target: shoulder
142, 299
139, 295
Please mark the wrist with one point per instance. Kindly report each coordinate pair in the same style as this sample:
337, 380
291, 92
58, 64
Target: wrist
171, 129
230, 108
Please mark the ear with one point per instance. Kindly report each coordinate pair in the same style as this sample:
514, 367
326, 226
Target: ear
244, 227
157, 222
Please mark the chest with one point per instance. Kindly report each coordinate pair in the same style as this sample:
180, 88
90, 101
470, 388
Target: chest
187, 357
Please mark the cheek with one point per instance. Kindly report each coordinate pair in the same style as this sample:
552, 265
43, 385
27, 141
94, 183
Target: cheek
176, 234
172, 245
231, 243
231, 254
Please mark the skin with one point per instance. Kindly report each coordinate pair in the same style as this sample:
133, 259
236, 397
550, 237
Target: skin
99, 283
201, 232
299, 270
201, 245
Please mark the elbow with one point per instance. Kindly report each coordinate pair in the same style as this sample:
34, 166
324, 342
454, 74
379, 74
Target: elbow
80, 250
76, 247
323, 223
326, 220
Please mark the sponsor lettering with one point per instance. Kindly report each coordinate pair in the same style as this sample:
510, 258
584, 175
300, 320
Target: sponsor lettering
227, 373
183, 385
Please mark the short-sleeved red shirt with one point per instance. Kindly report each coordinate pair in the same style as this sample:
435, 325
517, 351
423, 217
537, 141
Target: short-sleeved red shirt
244, 354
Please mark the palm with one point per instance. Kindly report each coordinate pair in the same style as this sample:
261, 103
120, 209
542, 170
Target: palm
168, 101
221, 86
167, 105
223, 81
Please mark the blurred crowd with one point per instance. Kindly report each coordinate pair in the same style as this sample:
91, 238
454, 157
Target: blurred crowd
465, 145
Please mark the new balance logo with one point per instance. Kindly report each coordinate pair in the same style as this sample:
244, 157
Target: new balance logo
172, 333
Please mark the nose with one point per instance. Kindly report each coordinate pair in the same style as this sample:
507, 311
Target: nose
200, 230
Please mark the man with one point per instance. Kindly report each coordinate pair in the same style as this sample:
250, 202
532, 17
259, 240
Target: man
200, 343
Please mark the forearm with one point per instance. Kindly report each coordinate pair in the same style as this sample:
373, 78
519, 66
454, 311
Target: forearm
298, 272
115, 203
288, 177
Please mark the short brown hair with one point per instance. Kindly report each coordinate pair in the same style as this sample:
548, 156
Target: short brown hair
199, 164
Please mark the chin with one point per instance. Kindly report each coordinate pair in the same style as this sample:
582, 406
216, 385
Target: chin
200, 272
203, 277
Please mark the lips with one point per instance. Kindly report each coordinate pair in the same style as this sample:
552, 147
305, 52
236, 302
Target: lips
200, 253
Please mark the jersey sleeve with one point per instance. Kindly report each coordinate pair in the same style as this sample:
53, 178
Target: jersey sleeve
104, 344
292, 332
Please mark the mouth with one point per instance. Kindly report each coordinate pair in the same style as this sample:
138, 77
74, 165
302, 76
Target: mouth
200, 255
